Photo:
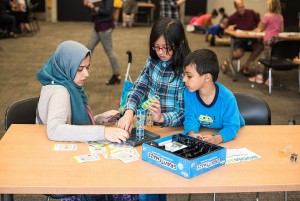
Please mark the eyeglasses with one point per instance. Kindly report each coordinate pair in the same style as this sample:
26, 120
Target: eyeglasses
164, 49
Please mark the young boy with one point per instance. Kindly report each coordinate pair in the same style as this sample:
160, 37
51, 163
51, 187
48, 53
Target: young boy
208, 103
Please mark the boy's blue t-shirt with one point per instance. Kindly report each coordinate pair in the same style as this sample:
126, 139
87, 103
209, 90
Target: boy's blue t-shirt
222, 113
215, 30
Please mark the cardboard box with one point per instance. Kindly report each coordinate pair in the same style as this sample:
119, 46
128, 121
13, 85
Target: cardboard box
187, 157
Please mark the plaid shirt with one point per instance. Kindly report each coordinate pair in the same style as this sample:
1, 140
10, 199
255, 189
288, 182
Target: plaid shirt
157, 79
169, 8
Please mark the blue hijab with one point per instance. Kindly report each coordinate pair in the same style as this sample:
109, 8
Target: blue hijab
61, 69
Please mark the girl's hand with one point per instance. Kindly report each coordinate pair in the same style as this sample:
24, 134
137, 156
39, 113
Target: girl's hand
156, 112
126, 122
116, 134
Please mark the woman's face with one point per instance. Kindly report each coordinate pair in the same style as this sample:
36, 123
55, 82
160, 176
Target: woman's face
161, 48
82, 72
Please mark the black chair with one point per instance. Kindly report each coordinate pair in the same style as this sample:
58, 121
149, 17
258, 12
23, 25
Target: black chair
21, 112
282, 54
24, 112
292, 29
32, 18
253, 109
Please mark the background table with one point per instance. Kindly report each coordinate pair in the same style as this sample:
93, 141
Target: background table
239, 34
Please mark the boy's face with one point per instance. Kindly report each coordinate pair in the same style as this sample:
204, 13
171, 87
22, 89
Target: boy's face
193, 81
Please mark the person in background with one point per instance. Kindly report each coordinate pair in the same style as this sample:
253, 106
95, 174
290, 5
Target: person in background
129, 11
203, 22
215, 33
208, 103
170, 8
102, 32
272, 24
162, 76
19, 10
7, 21
244, 19
222, 14
63, 104
117, 10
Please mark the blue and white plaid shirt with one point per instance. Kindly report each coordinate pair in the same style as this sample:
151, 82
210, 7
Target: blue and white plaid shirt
157, 78
169, 8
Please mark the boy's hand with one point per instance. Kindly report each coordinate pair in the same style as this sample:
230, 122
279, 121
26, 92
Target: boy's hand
214, 139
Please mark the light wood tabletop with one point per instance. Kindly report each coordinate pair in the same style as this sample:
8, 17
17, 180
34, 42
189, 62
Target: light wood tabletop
28, 165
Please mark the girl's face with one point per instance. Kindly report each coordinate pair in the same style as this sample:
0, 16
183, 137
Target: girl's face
82, 72
161, 49
193, 81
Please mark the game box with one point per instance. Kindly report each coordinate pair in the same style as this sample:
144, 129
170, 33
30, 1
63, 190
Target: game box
184, 155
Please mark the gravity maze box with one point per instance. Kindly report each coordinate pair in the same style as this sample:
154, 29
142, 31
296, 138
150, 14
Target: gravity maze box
184, 155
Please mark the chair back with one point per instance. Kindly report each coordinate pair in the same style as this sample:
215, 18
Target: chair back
285, 49
21, 112
253, 109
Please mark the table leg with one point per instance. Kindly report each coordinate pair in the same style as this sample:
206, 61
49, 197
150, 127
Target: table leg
151, 15
7, 197
231, 59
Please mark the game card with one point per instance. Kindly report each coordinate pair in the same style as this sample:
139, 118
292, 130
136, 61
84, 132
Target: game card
125, 157
64, 147
86, 158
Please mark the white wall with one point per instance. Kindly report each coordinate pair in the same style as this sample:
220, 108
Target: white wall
256, 5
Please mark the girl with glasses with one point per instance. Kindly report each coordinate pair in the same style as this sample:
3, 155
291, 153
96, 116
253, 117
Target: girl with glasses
162, 76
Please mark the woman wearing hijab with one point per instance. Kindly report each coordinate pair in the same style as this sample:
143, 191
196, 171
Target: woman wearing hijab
63, 102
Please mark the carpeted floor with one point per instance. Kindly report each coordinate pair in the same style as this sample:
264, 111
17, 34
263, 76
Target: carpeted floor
22, 57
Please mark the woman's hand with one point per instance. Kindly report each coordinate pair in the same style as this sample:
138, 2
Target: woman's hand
116, 134
109, 116
126, 122
156, 112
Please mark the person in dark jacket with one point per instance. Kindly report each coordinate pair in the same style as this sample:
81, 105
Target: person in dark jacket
103, 27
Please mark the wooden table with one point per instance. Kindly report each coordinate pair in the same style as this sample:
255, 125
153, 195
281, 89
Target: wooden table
239, 34
151, 7
29, 166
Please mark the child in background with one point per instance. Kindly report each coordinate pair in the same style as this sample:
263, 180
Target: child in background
215, 33
129, 11
208, 103
204, 21
272, 24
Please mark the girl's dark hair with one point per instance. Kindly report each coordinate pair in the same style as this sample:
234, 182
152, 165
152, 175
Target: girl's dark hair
206, 61
174, 34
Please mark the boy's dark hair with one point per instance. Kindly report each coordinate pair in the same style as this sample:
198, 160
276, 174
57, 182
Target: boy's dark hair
173, 32
205, 60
